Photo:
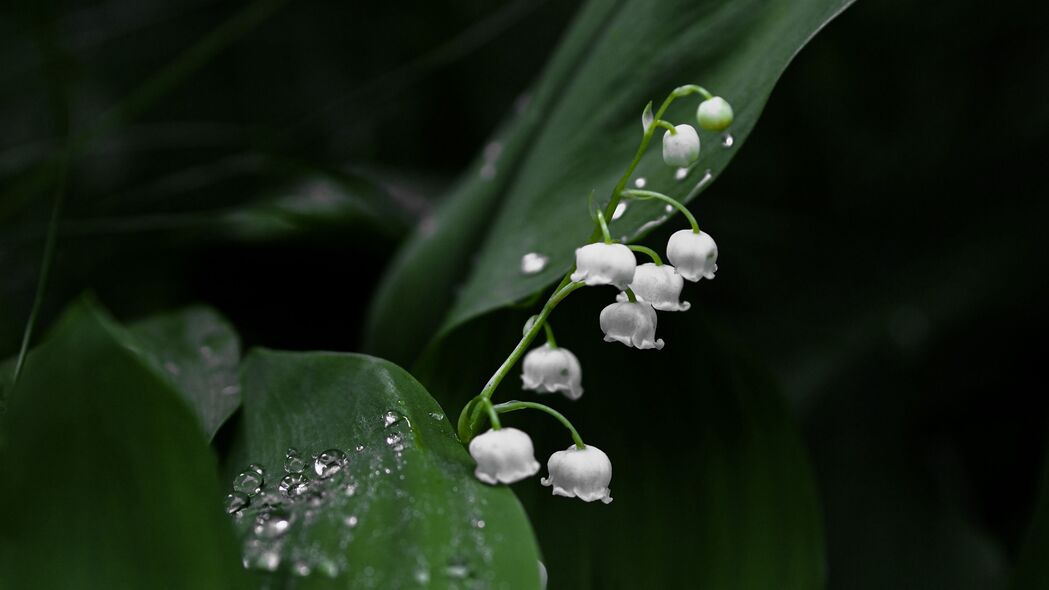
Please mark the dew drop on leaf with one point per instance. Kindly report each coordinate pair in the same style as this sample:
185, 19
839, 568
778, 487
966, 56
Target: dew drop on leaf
391, 417
328, 463
680, 174
271, 525
293, 462
248, 482
533, 262
294, 485
236, 501
727, 140
350, 521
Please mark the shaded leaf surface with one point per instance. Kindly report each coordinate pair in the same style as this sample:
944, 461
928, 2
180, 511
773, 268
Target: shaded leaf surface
108, 482
199, 353
414, 514
621, 55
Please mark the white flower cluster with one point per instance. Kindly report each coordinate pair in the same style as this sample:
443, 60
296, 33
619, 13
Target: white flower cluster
506, 455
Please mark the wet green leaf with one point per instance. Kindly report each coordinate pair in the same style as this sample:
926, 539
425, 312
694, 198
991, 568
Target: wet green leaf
528, 192
404, 511
108, 481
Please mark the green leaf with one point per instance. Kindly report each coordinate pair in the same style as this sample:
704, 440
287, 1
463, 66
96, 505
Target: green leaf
416, 514
199, 353
528, 194
108, 482
712, 486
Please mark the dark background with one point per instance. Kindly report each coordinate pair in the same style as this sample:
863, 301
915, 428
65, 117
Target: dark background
884, 221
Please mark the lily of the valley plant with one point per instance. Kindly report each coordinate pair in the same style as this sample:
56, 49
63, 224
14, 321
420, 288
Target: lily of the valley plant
506, 455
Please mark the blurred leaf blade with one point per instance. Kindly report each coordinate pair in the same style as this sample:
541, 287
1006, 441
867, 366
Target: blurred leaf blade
199, 352
533, 198
124, 488
416, 514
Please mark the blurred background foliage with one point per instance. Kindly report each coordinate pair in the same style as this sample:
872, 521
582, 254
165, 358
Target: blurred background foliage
882, 252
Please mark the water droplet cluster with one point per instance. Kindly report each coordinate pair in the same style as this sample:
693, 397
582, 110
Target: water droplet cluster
275, 511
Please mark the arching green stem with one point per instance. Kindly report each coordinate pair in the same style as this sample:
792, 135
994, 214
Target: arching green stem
512, 406
630, 295
493, 416
550, 335
641, 195
687, 89
667, 126
604, 227
649, 251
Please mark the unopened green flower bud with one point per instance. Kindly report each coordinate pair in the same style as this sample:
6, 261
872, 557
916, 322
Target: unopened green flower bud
714, 114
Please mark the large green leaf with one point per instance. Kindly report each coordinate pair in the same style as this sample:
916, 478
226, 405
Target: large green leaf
528, 194
108, 480
711, 484
199, 353
404, 511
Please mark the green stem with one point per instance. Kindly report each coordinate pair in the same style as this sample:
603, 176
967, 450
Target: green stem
645, 140
645, 195
649, 251
630, 295
604, 227
687, 89
45, 264
514, 405
493, 416
550, 335
667, 126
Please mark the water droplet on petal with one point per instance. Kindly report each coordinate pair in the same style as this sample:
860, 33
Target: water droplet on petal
248, 482
533, 262
294, 485
620, 210
329, 463
293, 462
640, 182
727, 140
236, 501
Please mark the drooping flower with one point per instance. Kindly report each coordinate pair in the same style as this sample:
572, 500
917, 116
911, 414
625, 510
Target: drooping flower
659, 285
694, 254
548, 370
681, 149
714, 114
580, 473
632, 323
503, 456
604, 264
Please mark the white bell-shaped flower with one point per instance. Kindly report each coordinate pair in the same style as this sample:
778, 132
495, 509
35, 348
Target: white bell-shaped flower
548, 370
694, 254
714, 114
604, 264
659, 285
580, 473
632, 323
503, 456
681, 149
